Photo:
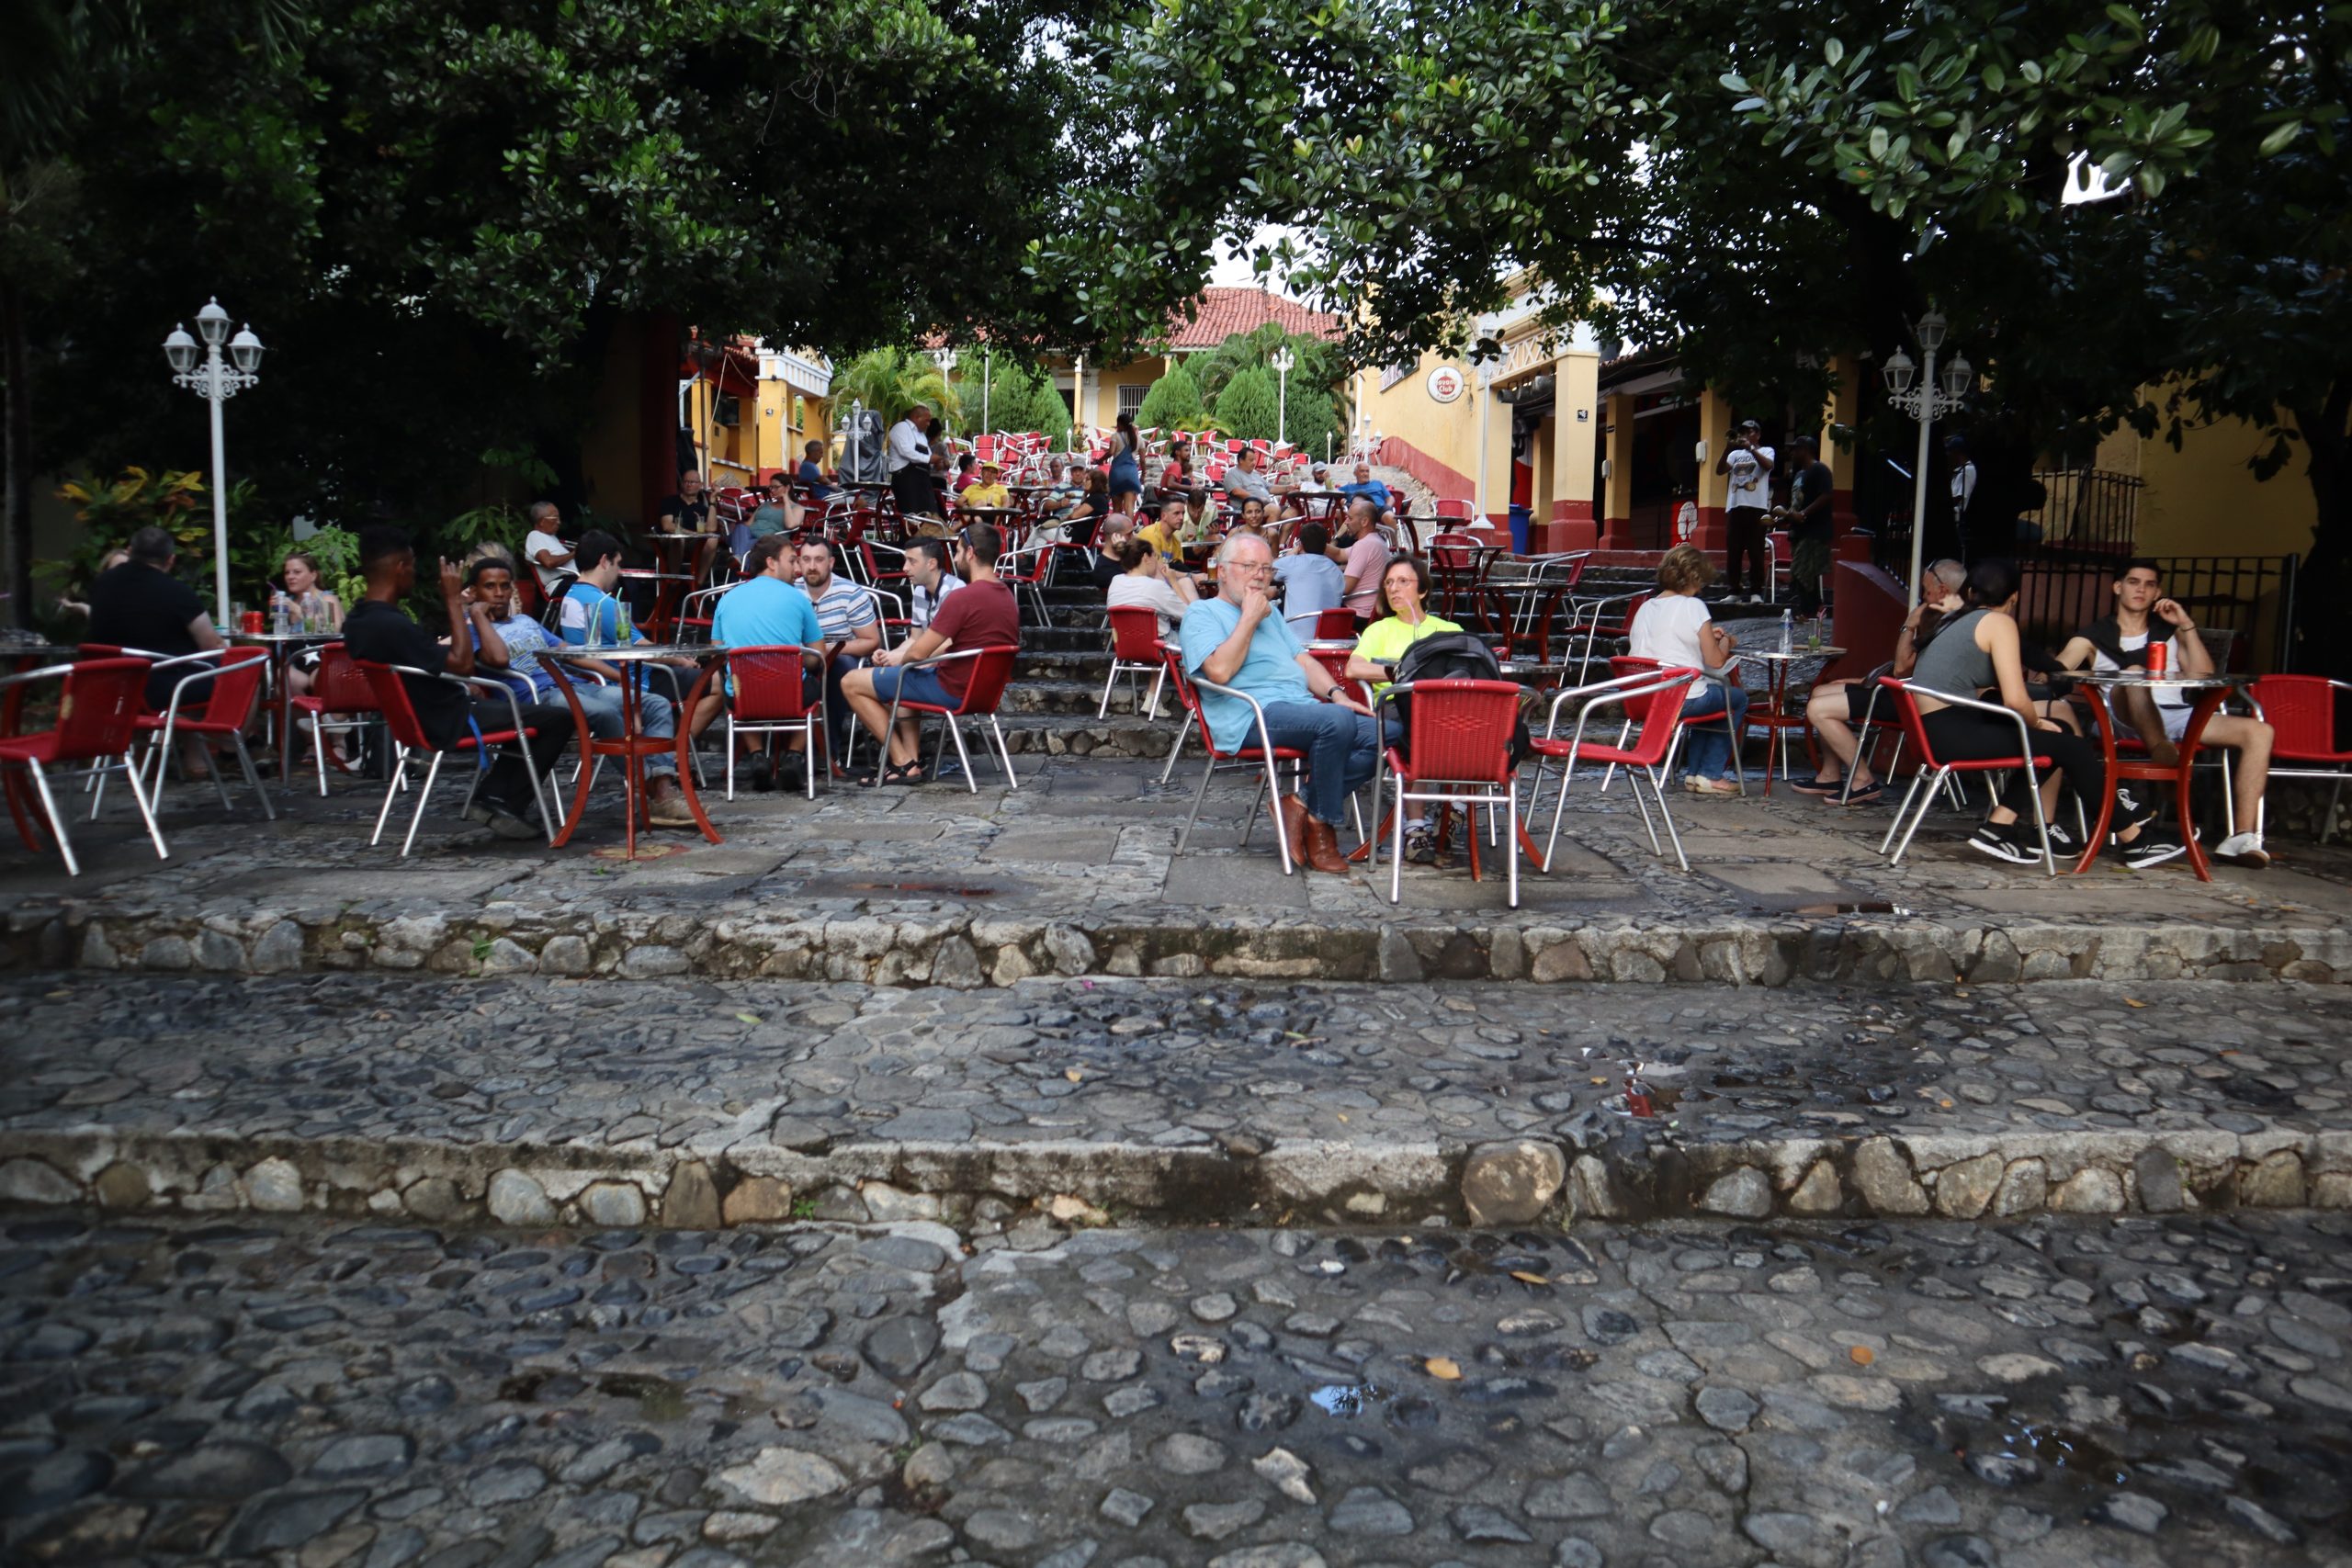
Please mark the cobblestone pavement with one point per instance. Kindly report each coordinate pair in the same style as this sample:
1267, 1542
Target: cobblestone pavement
1075, 872
612, 1101
2134, 1393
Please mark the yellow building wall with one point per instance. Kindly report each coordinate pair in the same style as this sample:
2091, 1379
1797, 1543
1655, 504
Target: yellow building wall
1445, 433
2204, 501
1101, 408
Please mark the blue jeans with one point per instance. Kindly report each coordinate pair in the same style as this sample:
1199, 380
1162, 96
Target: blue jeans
1343, 751
603, 707
1707, 751
838, 718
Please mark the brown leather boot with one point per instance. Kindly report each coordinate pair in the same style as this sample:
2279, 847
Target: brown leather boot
1293, 817
1323, 848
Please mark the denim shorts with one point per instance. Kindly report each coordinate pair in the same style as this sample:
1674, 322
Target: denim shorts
893, 683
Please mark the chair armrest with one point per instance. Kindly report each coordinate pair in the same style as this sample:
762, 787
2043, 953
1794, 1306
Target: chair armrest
2025, 734
1257, 711
948, 658
1615, 683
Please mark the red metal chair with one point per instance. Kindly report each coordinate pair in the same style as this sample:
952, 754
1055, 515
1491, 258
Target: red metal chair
1627, 664
1027, 568
769, 695
227, 708
408, 731
338, 687
1458, 753
1453, 510
1934, 770
2300, 711
1264, 754
1334, 623
99, 706
1134, 651
1651, 699
991, 672
1453, 557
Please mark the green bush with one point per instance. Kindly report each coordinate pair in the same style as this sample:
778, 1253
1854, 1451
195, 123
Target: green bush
1247, 407
1173, 402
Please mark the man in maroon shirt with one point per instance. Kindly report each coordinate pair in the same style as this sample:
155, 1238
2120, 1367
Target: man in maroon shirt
982, 614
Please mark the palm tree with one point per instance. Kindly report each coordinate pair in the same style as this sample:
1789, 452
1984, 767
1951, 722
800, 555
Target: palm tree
893, 380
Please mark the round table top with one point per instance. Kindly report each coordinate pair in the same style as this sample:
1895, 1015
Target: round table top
61, 653
262, 638
625, 653
2142, 678
1775, 656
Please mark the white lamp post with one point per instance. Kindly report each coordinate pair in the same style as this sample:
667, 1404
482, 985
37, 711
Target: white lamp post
1488, 373
1928, 402
215, 382
1284, 362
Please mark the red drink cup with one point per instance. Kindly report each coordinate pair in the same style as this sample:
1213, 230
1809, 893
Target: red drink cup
2157, 657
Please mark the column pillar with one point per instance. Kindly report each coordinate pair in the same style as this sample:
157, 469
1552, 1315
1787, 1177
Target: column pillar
1844, 414
1576, 376
1617, 502
1714, 434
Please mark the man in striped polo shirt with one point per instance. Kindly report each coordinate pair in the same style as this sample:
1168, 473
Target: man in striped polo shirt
849, 625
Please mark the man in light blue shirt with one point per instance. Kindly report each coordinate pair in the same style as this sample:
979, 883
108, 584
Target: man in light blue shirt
1236, 640
768, 609
1372, 490
1311, 580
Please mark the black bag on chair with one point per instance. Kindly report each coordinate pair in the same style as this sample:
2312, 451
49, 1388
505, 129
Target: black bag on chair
1453, 656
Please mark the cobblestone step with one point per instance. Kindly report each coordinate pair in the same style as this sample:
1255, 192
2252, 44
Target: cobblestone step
609, 1104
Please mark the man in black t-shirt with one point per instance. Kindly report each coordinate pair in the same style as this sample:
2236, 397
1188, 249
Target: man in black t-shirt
140, 605
1809, 522
379, 631
687, 510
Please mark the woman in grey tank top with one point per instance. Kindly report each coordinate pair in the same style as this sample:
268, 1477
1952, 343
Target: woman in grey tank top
1979, 652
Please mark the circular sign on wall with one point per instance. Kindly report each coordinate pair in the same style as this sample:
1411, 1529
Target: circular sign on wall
1445, 383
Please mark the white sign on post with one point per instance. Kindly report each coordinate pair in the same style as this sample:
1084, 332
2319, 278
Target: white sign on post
1445, 384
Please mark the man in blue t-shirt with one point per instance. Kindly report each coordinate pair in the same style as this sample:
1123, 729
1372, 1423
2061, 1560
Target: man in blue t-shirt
510, 652
811, 472
768, 609
1372, 490
1236, 639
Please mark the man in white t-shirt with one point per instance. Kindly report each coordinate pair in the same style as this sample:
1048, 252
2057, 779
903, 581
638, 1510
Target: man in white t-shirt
2143, 615
548, 555
1748, 462
910, 462
928, 579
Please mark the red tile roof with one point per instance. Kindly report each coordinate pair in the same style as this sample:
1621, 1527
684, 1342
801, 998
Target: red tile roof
1223, 312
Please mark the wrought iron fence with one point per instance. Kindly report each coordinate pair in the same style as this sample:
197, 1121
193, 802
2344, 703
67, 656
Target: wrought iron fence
2249, 598
2085, 512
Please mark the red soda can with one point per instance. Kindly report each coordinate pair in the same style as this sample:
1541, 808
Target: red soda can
2157, 657
253, 620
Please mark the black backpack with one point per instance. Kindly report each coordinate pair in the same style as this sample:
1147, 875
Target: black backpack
1452, 656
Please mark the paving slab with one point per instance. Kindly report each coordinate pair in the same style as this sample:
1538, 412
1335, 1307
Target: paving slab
1784, 889
2154, 1392
395, 1095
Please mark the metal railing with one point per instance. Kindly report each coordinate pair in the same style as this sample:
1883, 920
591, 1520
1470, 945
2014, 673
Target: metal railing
2252, 597
2085, 512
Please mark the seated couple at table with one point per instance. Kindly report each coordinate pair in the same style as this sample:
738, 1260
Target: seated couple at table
1238, 640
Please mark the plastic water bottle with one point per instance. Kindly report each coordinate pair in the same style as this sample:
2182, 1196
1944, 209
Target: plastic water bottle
1788, 631
279, 614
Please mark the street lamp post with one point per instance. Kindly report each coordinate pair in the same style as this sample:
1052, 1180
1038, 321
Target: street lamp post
1284, 362
1929, 401
1488, 373
215, 382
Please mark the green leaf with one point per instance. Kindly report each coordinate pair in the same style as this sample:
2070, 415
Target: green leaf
1995, 78
2278, 139
1833, 51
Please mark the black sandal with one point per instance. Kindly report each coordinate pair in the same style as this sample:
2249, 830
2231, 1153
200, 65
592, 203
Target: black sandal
904, 773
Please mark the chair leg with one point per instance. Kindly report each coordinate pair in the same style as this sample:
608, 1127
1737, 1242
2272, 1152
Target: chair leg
391, 791
1511, 845
1199, 794
1558, 808
1158, 679
1004, 751
56, 818
1290, 853
2041, 820
1673, 837
1902, 811
811, 742
1633, 787
1396, 846
319, 750
955, 733
1102, 708
424, 794
253, 779
730, 758
139, 798
1181, 730
1920, 817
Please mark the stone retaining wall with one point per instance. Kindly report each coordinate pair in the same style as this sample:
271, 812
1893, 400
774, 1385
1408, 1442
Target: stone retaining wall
974, 950
1886, 1177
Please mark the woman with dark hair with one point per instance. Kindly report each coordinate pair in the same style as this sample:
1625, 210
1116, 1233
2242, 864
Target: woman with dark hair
1980, 650
1126, 458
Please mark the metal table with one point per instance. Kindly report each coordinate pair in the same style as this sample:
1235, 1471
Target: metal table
2212, 691
1776, 720
281, 648
633, 747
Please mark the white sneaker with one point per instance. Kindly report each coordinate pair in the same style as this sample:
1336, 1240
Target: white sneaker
2242, 849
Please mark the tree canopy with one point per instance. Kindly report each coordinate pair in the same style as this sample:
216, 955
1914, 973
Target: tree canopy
1173, 402
438, 213
2104, 197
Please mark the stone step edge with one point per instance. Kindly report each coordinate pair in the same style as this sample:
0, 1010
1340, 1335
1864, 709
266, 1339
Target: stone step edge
969, 949
1879, 1176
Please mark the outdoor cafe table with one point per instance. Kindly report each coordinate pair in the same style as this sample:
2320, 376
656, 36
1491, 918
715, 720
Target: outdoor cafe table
633, 747
281, 648
2212, 690
1776, 720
